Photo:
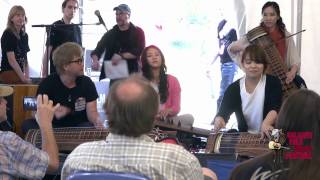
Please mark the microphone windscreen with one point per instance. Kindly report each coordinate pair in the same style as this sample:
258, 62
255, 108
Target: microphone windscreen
97, 12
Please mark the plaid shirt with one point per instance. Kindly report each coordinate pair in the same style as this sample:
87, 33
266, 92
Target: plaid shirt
134, 155
20, 159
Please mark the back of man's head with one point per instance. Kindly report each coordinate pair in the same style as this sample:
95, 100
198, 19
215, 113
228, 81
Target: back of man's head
131, 107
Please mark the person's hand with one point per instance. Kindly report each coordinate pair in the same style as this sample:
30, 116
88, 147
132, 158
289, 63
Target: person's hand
62, 111
290, 76
266, 129
218, 123
163, 114
115, 59
209, 173
26, 80
95, 63
98, 124
45, 110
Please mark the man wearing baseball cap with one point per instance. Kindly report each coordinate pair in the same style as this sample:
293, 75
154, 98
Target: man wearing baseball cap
124, 41
123, 8
4, 91
20, 159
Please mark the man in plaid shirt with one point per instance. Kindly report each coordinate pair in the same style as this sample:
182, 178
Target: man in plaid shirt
131, 107
19, 158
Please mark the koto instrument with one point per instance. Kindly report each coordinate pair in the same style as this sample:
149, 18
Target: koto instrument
69, 138
190, 130
277, 67
243, 143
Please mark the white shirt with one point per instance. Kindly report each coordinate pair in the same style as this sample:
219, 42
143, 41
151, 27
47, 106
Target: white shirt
252, 104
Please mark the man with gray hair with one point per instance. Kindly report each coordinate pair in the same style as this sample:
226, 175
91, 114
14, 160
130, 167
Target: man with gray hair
131, 107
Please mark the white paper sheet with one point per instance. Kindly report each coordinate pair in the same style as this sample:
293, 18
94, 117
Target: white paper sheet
116, 71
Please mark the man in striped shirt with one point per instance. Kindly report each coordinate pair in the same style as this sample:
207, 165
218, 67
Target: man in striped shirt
19, 158
131, 107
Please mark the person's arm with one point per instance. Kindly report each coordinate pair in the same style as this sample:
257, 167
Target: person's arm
218, 123
209, 174
62, 111
268, 123
97, 52
45, 62
293, 59
228, 105
127, 55
91, 96
26, 69
93, 115
138, 47
291, 74
236, 48
273, 101
15, 66
44, 116
172, 105
175, 93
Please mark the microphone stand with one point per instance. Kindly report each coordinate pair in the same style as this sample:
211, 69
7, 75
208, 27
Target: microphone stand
48, 32
58, 25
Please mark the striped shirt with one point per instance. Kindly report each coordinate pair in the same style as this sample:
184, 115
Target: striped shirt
139, 155
19, 158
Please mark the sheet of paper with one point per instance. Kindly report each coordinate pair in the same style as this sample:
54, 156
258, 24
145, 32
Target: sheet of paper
116, 71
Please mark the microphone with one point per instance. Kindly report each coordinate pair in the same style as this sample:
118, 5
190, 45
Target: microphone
97, 13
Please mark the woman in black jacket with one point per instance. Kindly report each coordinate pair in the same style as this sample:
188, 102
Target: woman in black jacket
254, 98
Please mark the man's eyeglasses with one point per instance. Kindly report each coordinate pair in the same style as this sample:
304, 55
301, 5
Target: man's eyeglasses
78, 61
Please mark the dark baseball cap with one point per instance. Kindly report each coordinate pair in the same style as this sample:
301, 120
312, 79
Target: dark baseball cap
123, 8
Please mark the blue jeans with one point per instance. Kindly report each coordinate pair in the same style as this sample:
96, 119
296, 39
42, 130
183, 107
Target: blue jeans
228, 71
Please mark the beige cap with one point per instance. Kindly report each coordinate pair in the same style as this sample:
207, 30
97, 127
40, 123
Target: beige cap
5, 90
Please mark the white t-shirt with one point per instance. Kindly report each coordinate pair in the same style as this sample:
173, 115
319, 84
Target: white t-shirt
252, 104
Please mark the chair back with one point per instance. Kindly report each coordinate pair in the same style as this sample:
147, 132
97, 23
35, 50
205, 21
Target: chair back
106, 176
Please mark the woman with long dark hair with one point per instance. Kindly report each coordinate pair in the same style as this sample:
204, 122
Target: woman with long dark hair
167, 86
272, 23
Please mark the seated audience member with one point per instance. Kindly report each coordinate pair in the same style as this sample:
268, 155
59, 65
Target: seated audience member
75, 92
131, 106
299, 114
167, 86
254, 98
20, 159
4, 124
